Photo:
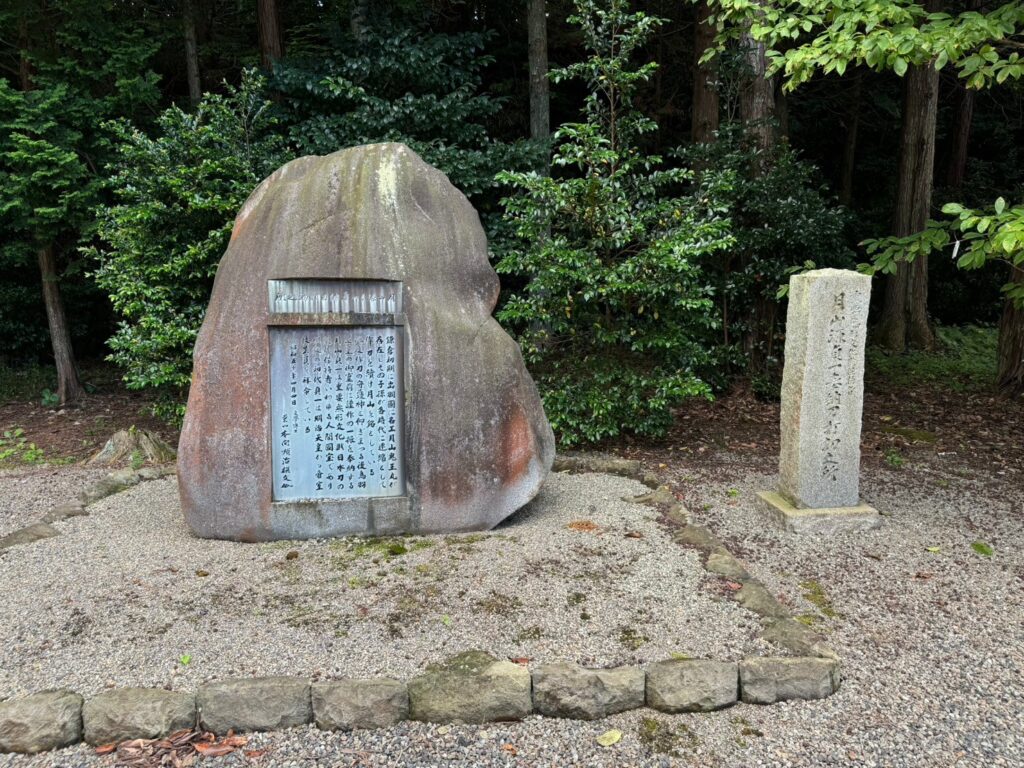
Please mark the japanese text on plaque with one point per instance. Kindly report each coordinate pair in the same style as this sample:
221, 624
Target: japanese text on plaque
337, 426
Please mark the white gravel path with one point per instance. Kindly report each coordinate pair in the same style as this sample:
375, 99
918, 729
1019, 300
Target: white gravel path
122, 595
932, 644
28, 494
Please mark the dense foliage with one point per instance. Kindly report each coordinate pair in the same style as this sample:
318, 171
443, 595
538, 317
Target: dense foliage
645, 269
176, 197
404, 83
615, 314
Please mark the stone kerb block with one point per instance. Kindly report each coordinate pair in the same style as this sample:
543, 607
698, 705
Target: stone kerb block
473, 687
691, 685
572, 691
822, 404
256, 704
136, 713
766, 679
43, 721
366, 272
367, 703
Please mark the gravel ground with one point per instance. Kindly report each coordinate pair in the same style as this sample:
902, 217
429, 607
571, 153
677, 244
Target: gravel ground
932, 641
580, 574
27, 495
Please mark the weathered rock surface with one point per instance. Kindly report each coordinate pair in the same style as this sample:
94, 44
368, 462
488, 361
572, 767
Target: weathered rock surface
472, 687
477, 442
724, 564
40, 722
797, 638
256, 704
766, 679
608, 465
136, 713
64, 511
569, 690
691, 685
822, 395
28, 535
754, 597
367, 703
108, 485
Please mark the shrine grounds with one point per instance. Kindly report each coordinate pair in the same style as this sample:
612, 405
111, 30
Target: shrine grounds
926, 613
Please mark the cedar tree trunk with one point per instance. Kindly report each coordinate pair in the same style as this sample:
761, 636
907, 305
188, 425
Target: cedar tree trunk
904, 320
271, 47
1010, 371
188, 22
705, 94
540, 99
69, 387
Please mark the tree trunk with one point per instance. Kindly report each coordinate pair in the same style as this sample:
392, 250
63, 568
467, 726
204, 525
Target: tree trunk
956, 169
188, 20
782, 114
757, 94
904, 320
540, 98
705, 94
850, 144
271, 47
1010, 371
69, 387
359, 19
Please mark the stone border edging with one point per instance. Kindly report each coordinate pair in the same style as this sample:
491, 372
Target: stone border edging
111, 483
779, 627
473, 687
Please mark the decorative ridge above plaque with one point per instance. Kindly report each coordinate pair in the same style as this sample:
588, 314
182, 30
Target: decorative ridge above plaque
318, 296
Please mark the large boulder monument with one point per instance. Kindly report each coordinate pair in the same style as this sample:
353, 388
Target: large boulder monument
348, 376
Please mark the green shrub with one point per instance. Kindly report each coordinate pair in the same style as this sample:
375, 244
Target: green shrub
177, 195
615, 312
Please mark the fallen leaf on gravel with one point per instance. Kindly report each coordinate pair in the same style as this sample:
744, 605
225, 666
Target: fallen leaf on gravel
634, 535
252, 754
608, 738
983, 549
923, 575
586, 526
202, 574
443, 729
933, 549
214, 750
106, 749
510, 749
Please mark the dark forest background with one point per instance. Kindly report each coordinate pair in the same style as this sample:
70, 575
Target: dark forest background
131, 131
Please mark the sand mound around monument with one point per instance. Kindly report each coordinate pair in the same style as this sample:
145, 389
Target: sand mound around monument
127, 596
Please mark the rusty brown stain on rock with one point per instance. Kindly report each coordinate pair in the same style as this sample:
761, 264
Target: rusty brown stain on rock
517, 446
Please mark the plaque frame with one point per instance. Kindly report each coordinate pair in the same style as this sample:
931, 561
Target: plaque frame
362, 514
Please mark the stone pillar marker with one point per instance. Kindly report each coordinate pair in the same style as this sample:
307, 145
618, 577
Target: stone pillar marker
822, 405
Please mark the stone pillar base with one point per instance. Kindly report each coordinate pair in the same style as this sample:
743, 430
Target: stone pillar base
825, 520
